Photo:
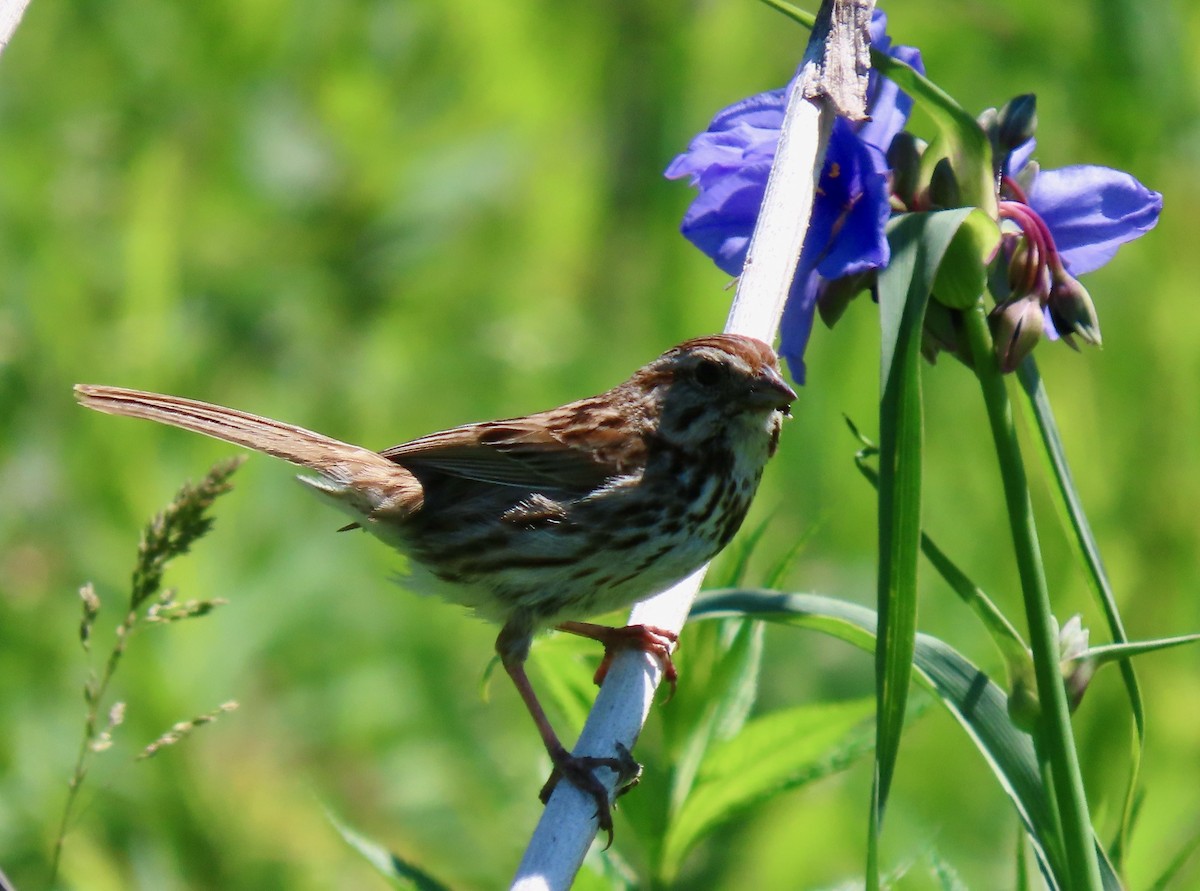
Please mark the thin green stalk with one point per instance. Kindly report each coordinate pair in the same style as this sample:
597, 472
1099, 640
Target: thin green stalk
1054, 725
96, 691
169, 534
1053, 846
1076, 520
1022, 882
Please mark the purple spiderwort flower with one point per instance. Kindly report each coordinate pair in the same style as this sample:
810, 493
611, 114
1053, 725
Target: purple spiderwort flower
1090, 210
1076, 217
730, 161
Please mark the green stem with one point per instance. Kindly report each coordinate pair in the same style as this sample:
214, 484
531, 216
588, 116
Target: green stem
92, 719
1054, 726
1053, 846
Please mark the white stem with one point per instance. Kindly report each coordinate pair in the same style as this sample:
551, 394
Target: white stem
10, 16
568, 825
779, 234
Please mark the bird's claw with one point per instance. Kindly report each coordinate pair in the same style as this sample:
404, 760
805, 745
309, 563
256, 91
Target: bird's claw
578, 770
658, 642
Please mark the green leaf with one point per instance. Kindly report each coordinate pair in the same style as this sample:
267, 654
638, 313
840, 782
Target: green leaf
980, 706
788, 561
401, 873
729, 692
733, 567
919, 243
902, 301
1115, 652
959, 138
962, 275
773, 753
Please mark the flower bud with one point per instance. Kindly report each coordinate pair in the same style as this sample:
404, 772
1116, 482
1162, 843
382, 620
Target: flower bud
987, 121
1028, 174
1017, 326
1074, 663
1076, 667
1071, 308
1077, 682
1022, 265
1015, 123
942, 334
943, 186
904, 157
838, 293
1072, 640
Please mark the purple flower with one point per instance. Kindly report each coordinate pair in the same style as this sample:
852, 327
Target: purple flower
730, 161
1091, 211
1077, 217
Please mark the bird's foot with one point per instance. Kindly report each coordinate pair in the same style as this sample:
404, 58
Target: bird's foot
658, 642
579, 771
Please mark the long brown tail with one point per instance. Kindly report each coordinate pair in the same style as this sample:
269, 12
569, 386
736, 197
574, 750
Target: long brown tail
338, 461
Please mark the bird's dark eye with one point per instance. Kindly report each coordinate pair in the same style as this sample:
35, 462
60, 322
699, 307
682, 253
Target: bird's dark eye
709, 373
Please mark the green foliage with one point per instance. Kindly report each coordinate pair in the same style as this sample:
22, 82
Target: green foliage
979, 705
770, 755
400, 873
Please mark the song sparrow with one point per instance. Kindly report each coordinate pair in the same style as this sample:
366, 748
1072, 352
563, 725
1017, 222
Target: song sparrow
538, 521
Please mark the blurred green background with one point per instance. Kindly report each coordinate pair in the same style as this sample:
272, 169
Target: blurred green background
378, 218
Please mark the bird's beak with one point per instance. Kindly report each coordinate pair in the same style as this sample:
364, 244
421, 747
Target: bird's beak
770, 390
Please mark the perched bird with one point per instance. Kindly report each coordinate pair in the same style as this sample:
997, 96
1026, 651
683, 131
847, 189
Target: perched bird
543, 520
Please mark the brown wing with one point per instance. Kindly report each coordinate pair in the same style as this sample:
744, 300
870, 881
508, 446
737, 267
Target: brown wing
525, 452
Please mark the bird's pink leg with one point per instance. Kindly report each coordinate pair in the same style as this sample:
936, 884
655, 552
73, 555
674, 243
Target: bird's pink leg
578, 770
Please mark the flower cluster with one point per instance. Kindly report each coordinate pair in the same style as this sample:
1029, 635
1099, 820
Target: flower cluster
1056, 224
